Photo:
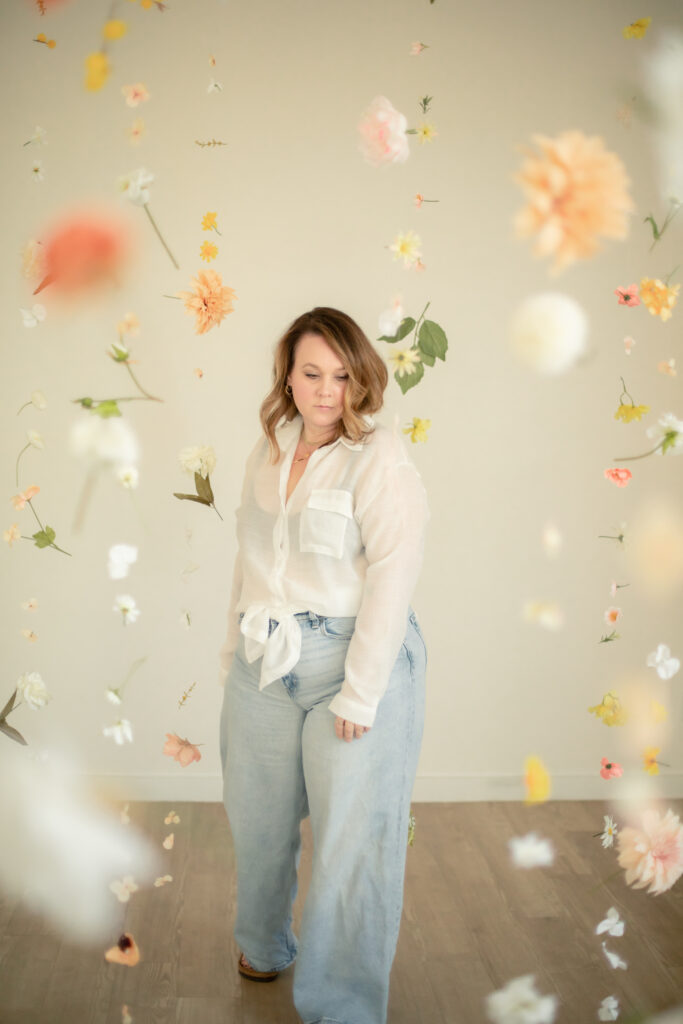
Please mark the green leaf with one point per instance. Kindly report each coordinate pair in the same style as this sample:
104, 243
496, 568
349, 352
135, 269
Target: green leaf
432, 339
655, 229
8, 706
203, 487
44, 538
669, 440
425, 357
191, 497
106, 409
409, 380
13, 733
85, 402
405, 327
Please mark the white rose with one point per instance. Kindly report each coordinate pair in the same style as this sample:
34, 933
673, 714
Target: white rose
31, 687
200, 460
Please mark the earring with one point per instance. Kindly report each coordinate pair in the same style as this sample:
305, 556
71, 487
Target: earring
288, 389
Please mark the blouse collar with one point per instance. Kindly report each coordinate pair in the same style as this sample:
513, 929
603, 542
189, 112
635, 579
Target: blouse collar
288, 433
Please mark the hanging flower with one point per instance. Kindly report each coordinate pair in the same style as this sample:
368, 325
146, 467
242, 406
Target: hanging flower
618, 476
658, 297
163, 880
612, 615
637, 29
135, 186
29, 635
32, 689
210, 300
547, 614
653, 854
12, 534
610, 769
120, 731
667, 366
171, 818
536, 781
169, 841
37, 170
406, 247
121, 557
128, 477
19, 500
32, 317
114, 29
577, 192
128, 608
201, 459
135, 94
650, 760
519, 1003
661, 660
97, 71
181, 750
405, 360
426, 132
390, 320
668, 431
209, 222
609, 831
137, 130
628, 296
628, 345
208, 251
658, 713
611, 710
123, 887
531, 852
417, 48
382, 132
418, 429
629, 413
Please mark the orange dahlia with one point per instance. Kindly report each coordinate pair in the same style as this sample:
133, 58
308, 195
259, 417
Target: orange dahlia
577, 191
210, 300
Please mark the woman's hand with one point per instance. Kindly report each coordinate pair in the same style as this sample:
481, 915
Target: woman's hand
349, 730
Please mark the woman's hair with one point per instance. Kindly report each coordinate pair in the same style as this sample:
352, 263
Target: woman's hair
367, 374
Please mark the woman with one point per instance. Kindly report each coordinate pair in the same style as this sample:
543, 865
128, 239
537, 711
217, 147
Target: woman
324, 668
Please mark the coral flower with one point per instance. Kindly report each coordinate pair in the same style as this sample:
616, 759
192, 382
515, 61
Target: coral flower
628, 296
124, 952
610, 769
19, 500
612, 615
181, 750
652, 855
577, 192
658, 298
210, 301
620, 477
536, 780
84, 250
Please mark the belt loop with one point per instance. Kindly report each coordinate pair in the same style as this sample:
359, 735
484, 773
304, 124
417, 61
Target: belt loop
313, 619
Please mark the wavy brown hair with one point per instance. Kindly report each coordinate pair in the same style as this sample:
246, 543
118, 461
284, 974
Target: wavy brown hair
368, 376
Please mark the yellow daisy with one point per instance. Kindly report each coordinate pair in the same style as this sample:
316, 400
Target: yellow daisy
405, 360
208, 251
418, 429
426, 132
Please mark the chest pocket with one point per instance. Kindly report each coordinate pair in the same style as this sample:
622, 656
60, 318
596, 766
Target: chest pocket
323, 522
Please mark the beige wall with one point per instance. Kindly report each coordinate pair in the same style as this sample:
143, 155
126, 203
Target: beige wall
305, 222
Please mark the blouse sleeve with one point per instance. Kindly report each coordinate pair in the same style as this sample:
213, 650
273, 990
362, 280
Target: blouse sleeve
392, 528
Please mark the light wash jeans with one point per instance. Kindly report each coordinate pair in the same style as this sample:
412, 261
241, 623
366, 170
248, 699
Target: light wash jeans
282, 761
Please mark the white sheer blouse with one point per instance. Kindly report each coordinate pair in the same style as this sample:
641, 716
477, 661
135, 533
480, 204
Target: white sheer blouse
349, 541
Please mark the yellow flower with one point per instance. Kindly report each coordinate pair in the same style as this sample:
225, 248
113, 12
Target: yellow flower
628, 413
649, 760
408, 247
97, 71
405, 360
536, 780
208, 251
637, 29
114, 29
418, 430
659, 299
610, 711
209, 221
426, 132
658, 712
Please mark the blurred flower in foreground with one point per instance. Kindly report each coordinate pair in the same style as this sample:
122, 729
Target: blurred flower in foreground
181, 750
661, 660
109, 443
577, 192
655, 549
33, 260
536, 781
531, 852
650, 763
97, 71
121, 557
662, 73
163, 880
659, 298
519, 1003
637, 29
552, 539
210, 300
382, 132
62, 848
610, 711
549, 332
169, 841
390, 319
653, 854
137, 130
547, 614
85, 250
171, 818
120, 731
123, 887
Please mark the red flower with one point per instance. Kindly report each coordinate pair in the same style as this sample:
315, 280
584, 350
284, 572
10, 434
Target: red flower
618, 476
610, 769
84, 250
628, 296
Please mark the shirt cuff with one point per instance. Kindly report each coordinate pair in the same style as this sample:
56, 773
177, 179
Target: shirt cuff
352, 710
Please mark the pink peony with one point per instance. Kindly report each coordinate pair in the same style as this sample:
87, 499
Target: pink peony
383, 134
181, 750
652, 855
618, 476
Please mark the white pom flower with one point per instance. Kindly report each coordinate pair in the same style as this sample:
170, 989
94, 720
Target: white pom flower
107, 442
200, 460
549, 332
31, 687
121, 557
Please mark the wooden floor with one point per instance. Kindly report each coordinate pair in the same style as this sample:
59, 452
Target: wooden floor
471, 922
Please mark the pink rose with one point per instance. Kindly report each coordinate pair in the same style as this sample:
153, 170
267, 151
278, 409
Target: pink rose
383, 134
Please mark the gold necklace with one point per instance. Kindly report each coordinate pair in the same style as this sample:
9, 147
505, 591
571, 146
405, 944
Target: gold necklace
303, 458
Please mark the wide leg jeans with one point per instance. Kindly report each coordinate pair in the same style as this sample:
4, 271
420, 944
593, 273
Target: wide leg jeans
282, 760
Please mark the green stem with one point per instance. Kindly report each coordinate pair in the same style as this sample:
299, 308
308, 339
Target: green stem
631, 458
216, 510
18, 457
23, 407
35, 514
160, 236
666, 282
170, 296
57, 548
138, 385
625, 392
417, 325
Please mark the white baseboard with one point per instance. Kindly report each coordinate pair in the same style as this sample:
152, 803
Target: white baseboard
180, 787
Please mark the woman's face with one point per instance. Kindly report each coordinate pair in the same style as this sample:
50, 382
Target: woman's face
318, 381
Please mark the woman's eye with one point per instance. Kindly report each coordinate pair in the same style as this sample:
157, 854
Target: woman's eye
311, 375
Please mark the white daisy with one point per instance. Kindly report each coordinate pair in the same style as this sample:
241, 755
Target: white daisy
662, 661
128, 608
